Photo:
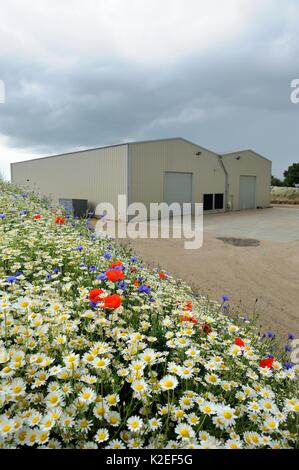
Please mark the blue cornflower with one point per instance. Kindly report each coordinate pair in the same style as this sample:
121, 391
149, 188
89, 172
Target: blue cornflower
82, 265
79, 248
92, 268
120, 268
56, 270
101, 277
48, 277
107, 255
291, 336
287, 348
24, 212
133, 259
11, 279
225, 298
270, 334
18, 273
288, 365
2, 216
93, 304
24, 195
122, 285
140, 278
152, 299
145, 289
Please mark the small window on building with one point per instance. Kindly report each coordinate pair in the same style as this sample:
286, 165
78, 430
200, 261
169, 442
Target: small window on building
219, 201
208, 202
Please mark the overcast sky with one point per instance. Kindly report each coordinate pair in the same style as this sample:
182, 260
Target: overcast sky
82, 74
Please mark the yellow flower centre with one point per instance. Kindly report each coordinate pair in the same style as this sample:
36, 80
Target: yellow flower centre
168, 383
6, 428
272, 425
53, 399
185, 432
139, 387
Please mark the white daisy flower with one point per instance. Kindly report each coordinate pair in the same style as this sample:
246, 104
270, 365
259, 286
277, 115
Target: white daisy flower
135, 424
169, 382
184, 431
102, 435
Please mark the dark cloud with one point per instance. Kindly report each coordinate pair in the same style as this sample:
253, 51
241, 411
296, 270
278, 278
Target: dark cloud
226, 99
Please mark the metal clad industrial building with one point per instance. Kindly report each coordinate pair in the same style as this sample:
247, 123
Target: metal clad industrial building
152, 171
248, 163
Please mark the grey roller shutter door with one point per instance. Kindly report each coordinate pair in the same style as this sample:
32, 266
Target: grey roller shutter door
178, 188
247, 192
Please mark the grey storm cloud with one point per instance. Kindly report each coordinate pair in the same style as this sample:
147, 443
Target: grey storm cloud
225, 98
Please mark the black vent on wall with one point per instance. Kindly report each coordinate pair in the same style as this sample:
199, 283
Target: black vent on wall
208, 202
219, 201
77, 207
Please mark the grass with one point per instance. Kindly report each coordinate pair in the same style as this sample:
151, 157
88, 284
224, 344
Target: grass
284, 195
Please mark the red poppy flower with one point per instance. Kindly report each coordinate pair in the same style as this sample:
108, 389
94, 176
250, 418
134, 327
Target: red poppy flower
191, 319
59, 220
133, 269
206, 328
162, 275
116, 263
112, 301
268, 362
115, 275
188, 305
239, 342
37, 216
136, 283
95, 295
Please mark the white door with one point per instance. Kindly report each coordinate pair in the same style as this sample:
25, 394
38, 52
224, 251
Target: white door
178, 188
247, 192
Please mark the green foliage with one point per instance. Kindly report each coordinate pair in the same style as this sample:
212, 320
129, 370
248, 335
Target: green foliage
291, 175
276, 181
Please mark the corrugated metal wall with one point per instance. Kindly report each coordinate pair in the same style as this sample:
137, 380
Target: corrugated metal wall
148, 162
249, 164
97, 175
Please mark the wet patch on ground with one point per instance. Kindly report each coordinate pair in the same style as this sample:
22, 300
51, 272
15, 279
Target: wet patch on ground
240, 241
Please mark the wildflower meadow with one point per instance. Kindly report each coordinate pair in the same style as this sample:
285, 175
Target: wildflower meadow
98, 350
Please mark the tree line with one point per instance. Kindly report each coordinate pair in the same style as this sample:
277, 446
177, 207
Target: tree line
291, 177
